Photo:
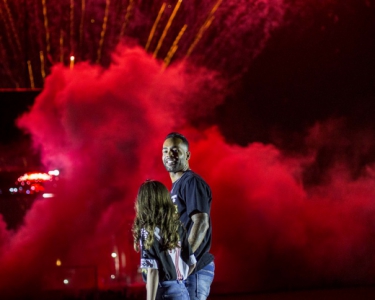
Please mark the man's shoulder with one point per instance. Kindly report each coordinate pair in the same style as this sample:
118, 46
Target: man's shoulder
191, 175
191, 178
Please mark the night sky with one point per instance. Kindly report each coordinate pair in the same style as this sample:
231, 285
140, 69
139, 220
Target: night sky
277, 99
318, 67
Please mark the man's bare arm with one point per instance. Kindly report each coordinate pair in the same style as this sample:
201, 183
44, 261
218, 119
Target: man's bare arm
199, 229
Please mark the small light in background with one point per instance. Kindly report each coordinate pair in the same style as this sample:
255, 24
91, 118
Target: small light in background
72, 58
66, 281
114, 254
58, 262
48, 195
113, 276
34, 176
54, 172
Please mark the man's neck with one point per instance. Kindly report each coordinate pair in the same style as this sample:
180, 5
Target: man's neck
176, 176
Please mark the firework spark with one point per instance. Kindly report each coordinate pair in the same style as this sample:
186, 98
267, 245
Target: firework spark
174, 47
165, 31
104, 29
46, 26
162, 8
12, 26
204, 27
31, 76
127, 17
72, 26
42, 65
83, 7
91, 30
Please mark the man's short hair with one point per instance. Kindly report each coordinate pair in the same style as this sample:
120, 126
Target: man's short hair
177, 135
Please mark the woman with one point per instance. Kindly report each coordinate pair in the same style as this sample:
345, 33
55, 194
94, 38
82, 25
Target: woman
166, 256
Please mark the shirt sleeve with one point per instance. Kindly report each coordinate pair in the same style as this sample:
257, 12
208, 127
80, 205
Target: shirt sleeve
198, 196
148, 260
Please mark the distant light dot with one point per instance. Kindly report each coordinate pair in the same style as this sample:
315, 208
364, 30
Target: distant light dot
54, 172
113, 276
114, 254
48, 195
66, 281
58, 263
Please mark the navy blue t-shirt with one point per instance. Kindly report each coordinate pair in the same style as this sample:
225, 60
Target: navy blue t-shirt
192, 195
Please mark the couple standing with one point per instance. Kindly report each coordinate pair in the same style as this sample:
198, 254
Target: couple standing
175, 258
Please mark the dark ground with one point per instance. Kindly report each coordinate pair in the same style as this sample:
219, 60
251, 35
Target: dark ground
350, 293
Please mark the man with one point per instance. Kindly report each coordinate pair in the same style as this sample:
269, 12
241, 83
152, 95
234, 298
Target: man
193, 198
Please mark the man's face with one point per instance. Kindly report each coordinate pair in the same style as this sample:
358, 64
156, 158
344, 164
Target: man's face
175, 155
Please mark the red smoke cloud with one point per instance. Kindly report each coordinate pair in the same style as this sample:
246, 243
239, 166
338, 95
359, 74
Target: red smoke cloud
104, 131
271, 232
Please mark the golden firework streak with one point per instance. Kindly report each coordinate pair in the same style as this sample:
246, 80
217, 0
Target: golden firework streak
8, 32
152, 32
104, 28
127, 16
82, 22
71, 26
42, 65
61, 46
178, 4
174, 46
12, 26
204, 27
31, 76
46, 26
7, 70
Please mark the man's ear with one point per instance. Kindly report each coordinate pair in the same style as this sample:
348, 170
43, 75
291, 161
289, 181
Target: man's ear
187, 155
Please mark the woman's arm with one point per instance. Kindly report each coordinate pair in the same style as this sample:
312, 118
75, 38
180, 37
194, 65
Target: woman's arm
152, 283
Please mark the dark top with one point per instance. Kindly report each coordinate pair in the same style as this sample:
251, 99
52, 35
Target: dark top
171, 264
192, 195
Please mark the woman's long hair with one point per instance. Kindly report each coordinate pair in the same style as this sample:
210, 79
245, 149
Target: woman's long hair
154, 208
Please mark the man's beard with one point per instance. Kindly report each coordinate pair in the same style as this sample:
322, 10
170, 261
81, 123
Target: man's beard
173, 168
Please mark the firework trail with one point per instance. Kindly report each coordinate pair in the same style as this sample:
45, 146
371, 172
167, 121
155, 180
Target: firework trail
90, 31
